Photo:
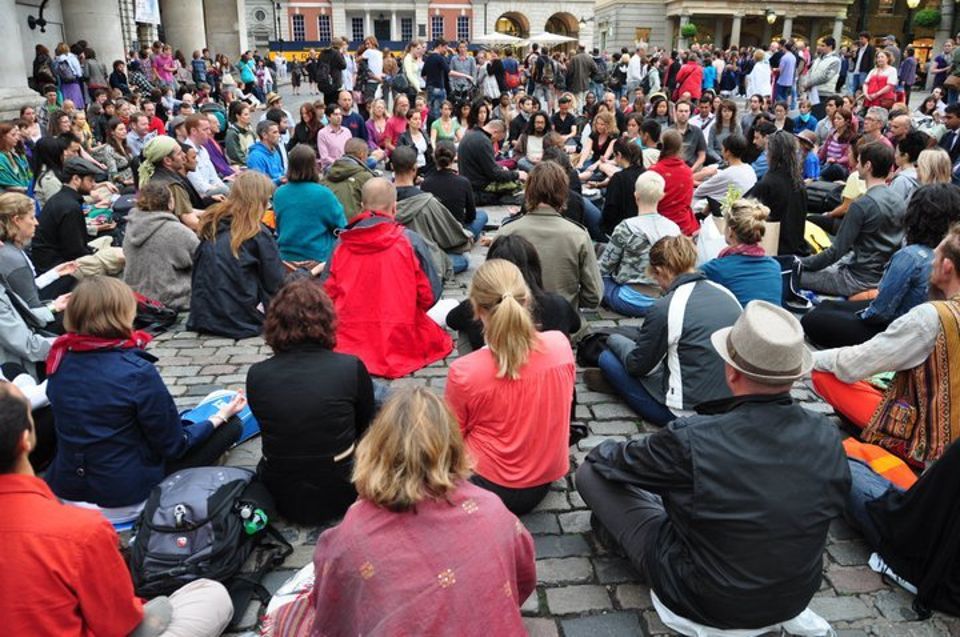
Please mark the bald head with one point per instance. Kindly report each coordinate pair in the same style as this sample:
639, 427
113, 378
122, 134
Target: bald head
380, 195
900, 125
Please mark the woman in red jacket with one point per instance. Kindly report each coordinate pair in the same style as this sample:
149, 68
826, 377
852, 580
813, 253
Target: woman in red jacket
678, 194
689, 79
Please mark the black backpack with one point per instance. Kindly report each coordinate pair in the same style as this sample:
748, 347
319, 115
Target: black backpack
205, 523
324, 77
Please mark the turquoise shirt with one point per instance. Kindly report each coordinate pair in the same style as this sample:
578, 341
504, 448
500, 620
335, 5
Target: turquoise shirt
307, 216
14, 171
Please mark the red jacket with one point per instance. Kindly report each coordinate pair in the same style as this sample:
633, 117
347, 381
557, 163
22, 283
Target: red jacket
689, 80
678, 194
381, 286
62, 573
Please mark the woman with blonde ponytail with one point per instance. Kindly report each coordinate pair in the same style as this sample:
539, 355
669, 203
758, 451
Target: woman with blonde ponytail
512, 398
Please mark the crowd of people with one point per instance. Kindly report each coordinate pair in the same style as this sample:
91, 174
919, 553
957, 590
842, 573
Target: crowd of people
825, 211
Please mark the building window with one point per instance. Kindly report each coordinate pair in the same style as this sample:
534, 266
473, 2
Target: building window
436, 27
885, 7
463, 27
299, 30
406, 29
356, 29
324, 30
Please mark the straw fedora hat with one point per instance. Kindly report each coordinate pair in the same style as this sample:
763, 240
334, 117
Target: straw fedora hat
766, 344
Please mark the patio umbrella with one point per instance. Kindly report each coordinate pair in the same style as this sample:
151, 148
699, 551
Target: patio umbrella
550, 38
496, 38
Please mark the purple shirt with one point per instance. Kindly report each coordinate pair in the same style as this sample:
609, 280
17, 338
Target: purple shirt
218, 159
788, 67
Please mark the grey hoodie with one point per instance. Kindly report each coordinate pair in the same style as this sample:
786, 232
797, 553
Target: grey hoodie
159, 257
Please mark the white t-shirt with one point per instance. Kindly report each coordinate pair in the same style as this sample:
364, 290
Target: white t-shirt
374, 58
421, 144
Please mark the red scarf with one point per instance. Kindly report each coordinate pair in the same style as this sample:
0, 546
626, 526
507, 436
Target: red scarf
746, 249
84, 343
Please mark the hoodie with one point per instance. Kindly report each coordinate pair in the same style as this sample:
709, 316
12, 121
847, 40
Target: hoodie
424, 214
346, 178
159, 257
382, 282
269, 162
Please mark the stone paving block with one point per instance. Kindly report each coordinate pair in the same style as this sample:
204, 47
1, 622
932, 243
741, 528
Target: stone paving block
854, 579
582, 412
615, 428
232, 380
587, 397
612, 411
196, 380
275, 579
566, 600
563, 570
836, 609
882, 628
895, 604
654, 625
606, 625
180, 370
246, 358
201, 390
177, 390
541, 523
633, 596
561, 546
852, 553
554, 501
301, 556
540, 627
216, 370
575, 521
590, 442
532, 604
615, 570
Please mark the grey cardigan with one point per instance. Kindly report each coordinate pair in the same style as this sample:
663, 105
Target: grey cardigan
159, 257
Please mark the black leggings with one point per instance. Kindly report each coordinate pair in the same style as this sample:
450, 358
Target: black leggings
208, 452
46, 434
518, 501
836, 324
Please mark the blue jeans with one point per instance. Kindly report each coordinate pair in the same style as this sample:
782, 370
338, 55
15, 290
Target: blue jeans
460, 262
866, 486
597, 89
477, 225
636, 395
436, 98
783, 94
856, 81
593, 218
611, 298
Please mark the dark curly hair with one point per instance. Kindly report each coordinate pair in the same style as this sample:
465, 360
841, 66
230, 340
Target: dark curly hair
301, 313
932, 210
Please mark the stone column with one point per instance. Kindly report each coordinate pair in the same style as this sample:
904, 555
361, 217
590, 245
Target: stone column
367, 24
682, 41
735, 30
838, 29
183, 25
394, 26
14, 92
814, 32
95, 21
667, 36
787, 27
338, 16
718, 31
226, 25
943, 32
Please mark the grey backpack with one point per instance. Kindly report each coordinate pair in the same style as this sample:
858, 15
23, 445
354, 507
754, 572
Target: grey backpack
204, 523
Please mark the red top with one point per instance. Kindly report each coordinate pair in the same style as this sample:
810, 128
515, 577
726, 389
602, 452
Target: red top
382, 295
689, 80
62, 574
678, 193
518, 431
156, 125
396, 126
460, 567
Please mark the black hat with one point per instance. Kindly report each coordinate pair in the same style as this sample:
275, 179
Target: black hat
81, 167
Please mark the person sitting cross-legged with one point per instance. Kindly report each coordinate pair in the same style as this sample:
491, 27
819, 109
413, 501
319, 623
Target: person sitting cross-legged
724, 514
670, 367
64, 565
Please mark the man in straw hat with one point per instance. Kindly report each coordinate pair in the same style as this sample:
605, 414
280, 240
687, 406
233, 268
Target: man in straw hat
725, 513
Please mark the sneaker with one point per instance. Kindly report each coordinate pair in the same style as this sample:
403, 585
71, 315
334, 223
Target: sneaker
594, 379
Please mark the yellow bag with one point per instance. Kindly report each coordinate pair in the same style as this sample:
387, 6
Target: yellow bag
816, 237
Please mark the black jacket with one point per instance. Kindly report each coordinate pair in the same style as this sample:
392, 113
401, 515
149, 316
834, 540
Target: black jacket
867, 61
406, 140
454, 192
620, 202
550, 312
226, 290
477, 162
312, 405
62, 232
750, 486
337, 64
788, 205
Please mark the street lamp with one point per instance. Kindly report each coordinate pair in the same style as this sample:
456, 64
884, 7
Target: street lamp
908, 27
772, 17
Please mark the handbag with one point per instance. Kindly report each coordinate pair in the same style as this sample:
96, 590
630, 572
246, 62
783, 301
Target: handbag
823, 196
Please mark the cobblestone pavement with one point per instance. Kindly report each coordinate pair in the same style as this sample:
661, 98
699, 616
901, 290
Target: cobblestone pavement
581, 590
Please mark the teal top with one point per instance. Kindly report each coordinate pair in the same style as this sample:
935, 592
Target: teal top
14, 171
307, 216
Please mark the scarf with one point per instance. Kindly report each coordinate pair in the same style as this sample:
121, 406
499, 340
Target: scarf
153, 153
84, 343
746, 249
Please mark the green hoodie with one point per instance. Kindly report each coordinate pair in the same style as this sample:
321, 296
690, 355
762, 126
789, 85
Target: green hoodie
346, 178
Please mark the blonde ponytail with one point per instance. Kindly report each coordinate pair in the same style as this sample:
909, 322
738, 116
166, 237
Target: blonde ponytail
499, 291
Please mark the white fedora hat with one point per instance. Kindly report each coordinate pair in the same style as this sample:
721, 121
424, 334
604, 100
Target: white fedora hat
766, 344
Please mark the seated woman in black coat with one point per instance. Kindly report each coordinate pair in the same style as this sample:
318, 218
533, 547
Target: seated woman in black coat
312, 403
782, 191
550, 311
620, 202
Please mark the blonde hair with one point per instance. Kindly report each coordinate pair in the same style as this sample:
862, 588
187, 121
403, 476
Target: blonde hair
758, 55
745, 219
413, 451
673, 254
12, 206
649, 187
609, 119
101, 306
244, 206
934, 167
499, 290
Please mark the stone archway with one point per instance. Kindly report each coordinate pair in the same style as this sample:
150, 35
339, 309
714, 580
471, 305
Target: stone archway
563, 23
513, 23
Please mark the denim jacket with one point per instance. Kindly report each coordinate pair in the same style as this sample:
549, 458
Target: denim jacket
903, 286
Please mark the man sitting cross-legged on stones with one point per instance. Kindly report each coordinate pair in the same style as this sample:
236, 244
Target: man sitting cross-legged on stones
671, 367
725, 513
916, 417
64, 565
382, 281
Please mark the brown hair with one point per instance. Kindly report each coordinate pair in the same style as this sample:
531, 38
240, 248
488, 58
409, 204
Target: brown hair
413, 451
499, 290
101, 306
301, 312
302, 165
745, 219
950, 246
244, 206
190, 124
154, 195
548, 184
13, 205
671, 143
673, 254
6, 127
